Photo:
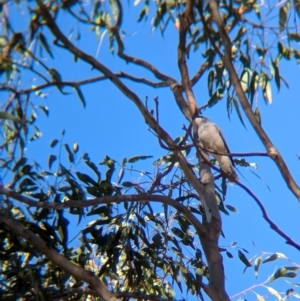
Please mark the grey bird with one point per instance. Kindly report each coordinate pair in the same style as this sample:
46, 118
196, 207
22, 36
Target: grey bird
211, 139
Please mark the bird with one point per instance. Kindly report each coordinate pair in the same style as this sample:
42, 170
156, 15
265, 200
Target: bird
211, 139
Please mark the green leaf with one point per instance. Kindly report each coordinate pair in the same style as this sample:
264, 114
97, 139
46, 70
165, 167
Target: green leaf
19, 163
92, 165
282, 272
216, 97
127, 184
70, 154
140, 219
80, 95
142, 15
229, 254
137, 158
274, 293
121, 172
267, 92
253, 85
292, 268
245, 76
244, 259
290, 291
259, 297
271, 258
45, 44
51, 159
36, 135
257, 263
53, 143
275, 73
297, 7
45, 110
231, 208
75, 147
282, 18
294, 36
102, 211
237, 108
257, 115
210, 83
86, 178
176, 276
178, 232
63, 229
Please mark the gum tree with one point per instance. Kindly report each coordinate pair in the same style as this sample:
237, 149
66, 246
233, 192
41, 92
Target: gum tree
149, 240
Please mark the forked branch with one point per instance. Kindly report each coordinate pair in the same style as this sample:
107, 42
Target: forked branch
109, 200
59, 260
189, 173
272, 151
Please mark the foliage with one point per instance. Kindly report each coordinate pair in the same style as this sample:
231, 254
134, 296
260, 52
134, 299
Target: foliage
136, 247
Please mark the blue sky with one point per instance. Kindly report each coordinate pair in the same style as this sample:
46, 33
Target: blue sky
111, 125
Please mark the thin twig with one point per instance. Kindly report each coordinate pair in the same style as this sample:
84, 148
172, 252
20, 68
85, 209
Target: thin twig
273, 226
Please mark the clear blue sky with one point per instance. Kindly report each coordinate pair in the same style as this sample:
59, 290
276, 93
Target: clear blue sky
112, 125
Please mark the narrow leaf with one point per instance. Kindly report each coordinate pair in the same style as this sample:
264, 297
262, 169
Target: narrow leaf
276, 74
51, 159
53, 143
259, 297
210, 81
137, 158
256, 265
86, 178
282, 272
80, 95
257, 115
45, 110
75, 147
297, 7
231, 208
19, 163
274, 292
71, 155
244, 259
229, 254
294, 36
268, 92
271, 258
45, 44
282, 18
245, 80
237, 108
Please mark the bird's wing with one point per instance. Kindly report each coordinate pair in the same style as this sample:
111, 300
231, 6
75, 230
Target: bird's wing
224, 141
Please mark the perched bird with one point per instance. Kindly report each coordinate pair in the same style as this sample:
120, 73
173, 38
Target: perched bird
211, 139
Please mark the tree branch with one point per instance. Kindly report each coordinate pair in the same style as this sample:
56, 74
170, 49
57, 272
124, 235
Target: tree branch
137, 61
199, 73
226, 58
87, 291
58, 259
184, 22
142, 80
189, 173
273, 226
108, 200
82, 82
